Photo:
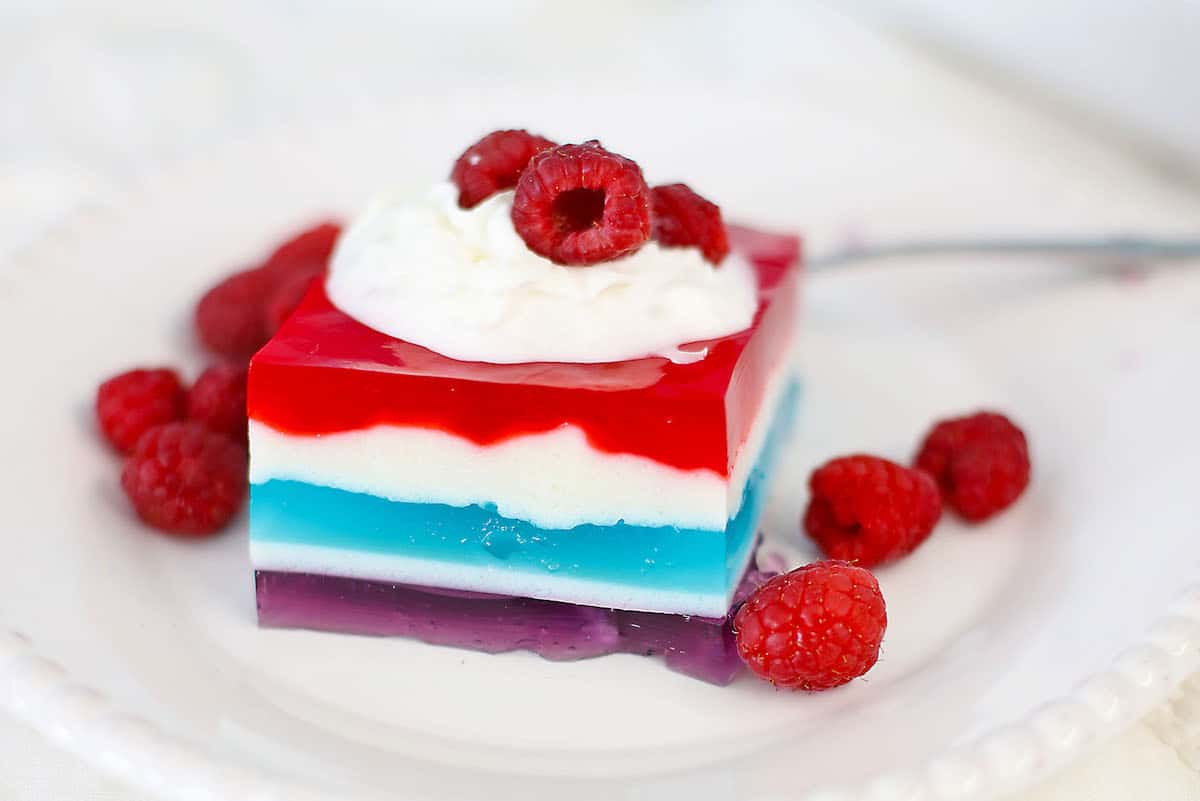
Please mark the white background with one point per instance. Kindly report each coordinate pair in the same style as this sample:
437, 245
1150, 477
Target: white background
1124, 67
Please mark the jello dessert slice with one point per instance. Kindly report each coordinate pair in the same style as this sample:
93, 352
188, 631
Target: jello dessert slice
475, 434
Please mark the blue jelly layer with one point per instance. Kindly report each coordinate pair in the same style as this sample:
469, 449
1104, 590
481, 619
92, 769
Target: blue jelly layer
660, 557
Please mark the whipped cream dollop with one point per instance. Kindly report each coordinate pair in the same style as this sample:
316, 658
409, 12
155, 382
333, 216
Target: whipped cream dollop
463, 283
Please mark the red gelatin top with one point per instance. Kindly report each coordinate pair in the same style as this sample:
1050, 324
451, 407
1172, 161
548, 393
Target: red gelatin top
325, 372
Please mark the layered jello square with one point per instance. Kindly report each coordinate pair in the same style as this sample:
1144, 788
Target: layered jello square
632, 485
534, 408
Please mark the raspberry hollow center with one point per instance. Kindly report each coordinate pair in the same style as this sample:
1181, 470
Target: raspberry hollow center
578, 210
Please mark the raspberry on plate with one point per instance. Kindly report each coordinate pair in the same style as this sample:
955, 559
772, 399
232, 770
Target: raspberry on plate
237, 316
307, 253
683, 218
868, 510
284, 299
218, 400
229, 318
980, 463
184, 479
494, 164
814, 628
581, 204
132, 402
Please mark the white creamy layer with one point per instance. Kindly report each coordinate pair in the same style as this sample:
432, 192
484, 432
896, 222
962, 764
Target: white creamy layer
554, 586
463, 283
553, 480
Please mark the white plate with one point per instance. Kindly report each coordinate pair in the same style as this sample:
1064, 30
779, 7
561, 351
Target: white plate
1012, 645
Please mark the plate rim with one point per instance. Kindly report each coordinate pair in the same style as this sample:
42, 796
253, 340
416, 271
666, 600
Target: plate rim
83, 721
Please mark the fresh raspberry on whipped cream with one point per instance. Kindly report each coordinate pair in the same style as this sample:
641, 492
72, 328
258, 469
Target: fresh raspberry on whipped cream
581, 204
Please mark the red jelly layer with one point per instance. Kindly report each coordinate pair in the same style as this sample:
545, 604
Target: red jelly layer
325, 372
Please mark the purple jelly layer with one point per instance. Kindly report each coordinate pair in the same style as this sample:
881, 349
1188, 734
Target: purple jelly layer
699, 647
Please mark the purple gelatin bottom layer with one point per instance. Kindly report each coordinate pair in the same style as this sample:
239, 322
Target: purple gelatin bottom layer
699, 647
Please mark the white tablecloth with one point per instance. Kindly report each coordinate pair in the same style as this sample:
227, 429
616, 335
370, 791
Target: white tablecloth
106, 95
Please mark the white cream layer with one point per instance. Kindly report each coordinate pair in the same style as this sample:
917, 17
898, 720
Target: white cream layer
553, 480
463, 283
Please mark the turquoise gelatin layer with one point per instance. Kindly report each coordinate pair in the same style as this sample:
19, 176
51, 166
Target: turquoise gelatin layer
663, 558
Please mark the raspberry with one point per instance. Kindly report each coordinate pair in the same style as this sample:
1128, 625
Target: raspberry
229, 316
284, 299
580, 204
493, 164
980, 462
868, 510
814, 628
232, 318
306, 253
218, 400
132, 402
684, 219
184, 479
